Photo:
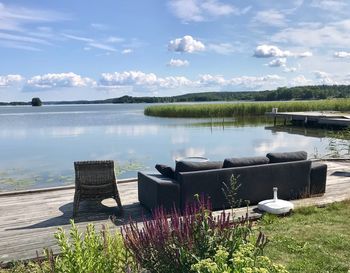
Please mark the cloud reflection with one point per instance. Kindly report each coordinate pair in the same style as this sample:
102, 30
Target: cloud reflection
132, 130
282, 143
66, 131
186, 152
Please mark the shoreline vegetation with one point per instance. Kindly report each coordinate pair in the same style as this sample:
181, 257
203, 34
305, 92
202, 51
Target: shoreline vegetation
312, 92
244, 108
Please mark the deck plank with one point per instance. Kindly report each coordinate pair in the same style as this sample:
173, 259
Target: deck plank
28, 221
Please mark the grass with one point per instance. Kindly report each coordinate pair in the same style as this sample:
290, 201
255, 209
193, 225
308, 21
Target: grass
311, 240
242, 109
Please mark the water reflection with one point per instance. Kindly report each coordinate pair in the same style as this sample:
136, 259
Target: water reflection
44, 142
187, 152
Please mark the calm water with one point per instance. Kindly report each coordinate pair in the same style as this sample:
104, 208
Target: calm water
39, 144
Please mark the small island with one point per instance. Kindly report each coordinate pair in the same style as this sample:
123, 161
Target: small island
36, 102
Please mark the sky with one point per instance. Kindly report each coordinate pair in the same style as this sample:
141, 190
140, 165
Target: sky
72, 50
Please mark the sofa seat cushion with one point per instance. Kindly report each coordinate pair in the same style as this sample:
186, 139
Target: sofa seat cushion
188, 166
245, 161
287, 157
165, 170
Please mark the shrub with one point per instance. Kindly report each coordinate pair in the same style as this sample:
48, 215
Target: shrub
243, 260
176, 243
91, 252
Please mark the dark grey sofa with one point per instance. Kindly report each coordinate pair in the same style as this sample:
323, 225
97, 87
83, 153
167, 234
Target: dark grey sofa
294, 179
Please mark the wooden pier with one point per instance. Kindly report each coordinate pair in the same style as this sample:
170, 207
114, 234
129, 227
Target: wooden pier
335, 119
28, 220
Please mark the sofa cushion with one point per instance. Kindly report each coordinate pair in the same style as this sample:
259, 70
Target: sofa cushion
165, 170
188, 166
287, 157
245, 161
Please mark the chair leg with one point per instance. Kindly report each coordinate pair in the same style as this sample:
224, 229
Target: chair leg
76, 203
117, 199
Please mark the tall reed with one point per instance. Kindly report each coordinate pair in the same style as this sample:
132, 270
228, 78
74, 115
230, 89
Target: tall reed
244, 108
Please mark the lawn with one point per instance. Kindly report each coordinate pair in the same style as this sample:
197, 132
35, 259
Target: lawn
311, 240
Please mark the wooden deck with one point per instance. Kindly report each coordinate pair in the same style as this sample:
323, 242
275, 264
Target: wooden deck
29, 220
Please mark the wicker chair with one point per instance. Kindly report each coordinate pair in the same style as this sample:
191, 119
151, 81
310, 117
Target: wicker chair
95, 180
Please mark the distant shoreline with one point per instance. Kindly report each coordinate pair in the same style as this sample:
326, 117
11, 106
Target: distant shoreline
314, 92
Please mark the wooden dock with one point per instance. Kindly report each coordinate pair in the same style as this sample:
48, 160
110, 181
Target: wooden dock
326, 118
28, 220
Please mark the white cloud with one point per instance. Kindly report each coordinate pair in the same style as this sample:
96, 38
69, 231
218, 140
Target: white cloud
270, 17
330, 5
300, 80
22, 38
222, 48
290, 69
186, 44
77, 38
14, 17
256, 82
113, 39
335, 34
245, 82
8, 80
178, 63
141, 80
128, 78
202, 10
127, 51
341, 54
174, 82
217, 8
324, 78
210, 80
304, 54
278, 62
92, 43
102, 46
60, 80
268, 51
138, 81
16, 20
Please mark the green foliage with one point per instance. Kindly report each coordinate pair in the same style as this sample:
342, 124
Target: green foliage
36, 102
196, 241
91, 252
245, 109
244, 260
230, 192
31, 267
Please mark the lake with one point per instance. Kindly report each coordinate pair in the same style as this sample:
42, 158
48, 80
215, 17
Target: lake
39, 144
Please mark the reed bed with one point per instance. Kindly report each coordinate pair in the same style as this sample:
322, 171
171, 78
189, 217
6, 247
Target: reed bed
244, 108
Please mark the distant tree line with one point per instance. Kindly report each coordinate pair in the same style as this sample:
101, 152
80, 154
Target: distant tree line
282, 93
312, 92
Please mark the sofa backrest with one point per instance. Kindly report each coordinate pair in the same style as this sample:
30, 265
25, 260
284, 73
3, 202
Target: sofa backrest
256, 182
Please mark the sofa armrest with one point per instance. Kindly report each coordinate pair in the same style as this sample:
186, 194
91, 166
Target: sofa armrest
155, 190
318, 177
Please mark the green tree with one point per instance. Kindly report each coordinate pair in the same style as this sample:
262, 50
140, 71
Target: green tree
36, 102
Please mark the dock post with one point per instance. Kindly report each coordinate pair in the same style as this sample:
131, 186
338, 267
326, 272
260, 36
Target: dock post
274, 120
285, 122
